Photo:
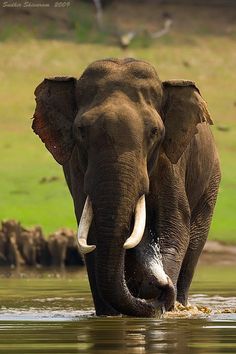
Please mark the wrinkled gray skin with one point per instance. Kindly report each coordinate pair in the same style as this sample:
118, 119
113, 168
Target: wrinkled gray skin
119, 133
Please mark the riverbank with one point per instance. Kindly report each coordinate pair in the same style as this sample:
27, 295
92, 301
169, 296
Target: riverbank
31, 247
216, 252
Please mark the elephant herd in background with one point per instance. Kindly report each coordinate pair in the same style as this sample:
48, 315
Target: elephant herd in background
21, 246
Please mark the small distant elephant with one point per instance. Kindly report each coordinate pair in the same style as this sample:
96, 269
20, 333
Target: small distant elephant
143, 171
63, 249
42, 256
33, 247
3, 248
57, 245
9, 237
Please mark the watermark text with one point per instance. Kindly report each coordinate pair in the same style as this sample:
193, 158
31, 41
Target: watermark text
21, 4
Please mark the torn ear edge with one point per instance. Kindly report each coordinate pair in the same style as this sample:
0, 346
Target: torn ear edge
205, 116
53, 132
53, 79
182, 110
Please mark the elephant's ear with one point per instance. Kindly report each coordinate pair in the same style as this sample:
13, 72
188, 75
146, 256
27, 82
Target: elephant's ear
54, 115
183, 109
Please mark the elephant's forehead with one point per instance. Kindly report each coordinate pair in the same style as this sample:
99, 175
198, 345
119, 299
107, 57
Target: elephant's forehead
120, 67
128, 75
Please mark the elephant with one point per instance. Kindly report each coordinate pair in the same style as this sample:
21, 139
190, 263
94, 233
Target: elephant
57, 244
10, 235
143, 171
33, 247
27, 247
3, 251
41, 248
63, 249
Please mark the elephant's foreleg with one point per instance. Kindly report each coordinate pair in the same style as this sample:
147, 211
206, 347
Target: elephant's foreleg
200, 225
174, 241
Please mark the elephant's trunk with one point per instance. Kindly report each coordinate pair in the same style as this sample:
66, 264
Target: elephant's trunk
113, 206
110, 267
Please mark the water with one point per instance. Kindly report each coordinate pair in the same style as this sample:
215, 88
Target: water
47, 312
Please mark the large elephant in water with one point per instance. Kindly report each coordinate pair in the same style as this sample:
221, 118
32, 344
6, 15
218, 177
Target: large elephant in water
142, 168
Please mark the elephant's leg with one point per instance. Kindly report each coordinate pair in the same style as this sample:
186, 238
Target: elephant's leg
200, 225
102, 308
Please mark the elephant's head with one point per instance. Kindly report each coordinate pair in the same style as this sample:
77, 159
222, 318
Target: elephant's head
118, 118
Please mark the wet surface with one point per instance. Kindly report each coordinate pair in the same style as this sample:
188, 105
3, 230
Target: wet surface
52, 312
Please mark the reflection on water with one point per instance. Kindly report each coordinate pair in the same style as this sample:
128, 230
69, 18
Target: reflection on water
53, 313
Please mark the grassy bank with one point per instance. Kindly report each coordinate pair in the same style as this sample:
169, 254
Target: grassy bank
32, 185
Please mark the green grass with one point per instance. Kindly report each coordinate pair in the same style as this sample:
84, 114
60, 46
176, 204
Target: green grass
25, 161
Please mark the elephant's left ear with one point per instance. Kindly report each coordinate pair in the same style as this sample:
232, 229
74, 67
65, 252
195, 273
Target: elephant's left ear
54, 115
183, 109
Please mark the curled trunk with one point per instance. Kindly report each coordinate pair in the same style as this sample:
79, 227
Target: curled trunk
115, 291
113, 217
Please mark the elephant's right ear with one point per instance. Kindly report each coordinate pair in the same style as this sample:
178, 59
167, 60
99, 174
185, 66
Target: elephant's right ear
54, 115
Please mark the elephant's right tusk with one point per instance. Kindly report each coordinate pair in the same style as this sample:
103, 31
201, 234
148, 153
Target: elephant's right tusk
84, 225
139, 224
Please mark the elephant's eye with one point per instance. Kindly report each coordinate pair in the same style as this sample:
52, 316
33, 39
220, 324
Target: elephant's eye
154, 131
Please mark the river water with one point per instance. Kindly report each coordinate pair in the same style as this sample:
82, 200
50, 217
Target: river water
52, 312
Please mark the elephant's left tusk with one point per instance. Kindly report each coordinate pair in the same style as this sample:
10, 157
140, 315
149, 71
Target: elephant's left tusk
84, 225
139, 224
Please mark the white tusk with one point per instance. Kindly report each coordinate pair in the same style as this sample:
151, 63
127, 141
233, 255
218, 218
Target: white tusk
84, 225
139, 224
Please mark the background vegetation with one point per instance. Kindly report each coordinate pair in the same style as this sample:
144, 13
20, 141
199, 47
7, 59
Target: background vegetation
200, 46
